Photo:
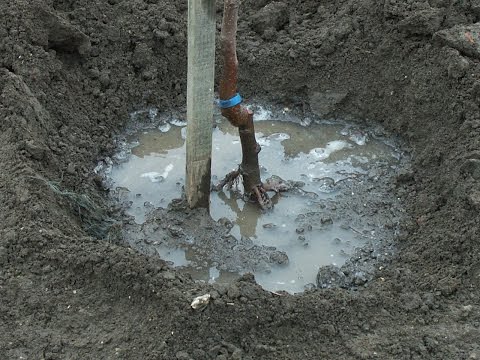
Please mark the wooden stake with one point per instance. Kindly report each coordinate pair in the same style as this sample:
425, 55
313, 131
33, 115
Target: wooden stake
201, 72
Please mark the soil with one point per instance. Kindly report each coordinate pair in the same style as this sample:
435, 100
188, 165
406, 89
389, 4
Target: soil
70, 72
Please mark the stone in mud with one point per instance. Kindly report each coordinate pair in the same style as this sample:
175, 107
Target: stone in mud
325, 103
279, 257
464, 38
331, 277
274, 16
424, 22
58, 34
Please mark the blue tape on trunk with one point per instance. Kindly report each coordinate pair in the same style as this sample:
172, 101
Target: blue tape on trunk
234, 101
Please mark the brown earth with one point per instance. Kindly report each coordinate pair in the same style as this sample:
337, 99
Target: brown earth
71, 70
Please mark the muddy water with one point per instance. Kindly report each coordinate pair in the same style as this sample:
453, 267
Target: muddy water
320, 156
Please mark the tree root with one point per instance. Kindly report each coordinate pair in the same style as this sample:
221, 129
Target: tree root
259, 193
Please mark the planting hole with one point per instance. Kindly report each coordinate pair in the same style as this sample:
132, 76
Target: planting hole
334, 168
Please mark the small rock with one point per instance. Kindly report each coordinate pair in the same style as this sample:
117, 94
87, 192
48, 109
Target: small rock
269, 226
300, 230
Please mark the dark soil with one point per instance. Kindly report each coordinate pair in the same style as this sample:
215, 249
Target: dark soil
70, 71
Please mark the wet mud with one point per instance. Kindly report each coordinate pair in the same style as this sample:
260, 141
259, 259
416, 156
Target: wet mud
337, 171
72, 71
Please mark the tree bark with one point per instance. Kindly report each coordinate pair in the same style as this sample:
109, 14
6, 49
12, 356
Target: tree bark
239, 116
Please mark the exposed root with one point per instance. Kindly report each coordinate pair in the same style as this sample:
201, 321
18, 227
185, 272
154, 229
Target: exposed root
262, 197
231, 179
259, 192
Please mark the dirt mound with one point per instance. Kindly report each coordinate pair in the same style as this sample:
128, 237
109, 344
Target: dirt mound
71, 70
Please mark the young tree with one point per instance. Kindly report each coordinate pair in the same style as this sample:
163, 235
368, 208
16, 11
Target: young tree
239, 116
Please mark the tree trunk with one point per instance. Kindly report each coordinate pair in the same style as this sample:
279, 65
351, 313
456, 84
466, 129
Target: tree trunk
238, 115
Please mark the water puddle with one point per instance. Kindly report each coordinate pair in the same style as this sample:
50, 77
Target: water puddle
322, 157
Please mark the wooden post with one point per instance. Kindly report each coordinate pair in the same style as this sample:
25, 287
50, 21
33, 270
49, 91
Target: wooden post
201, 72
